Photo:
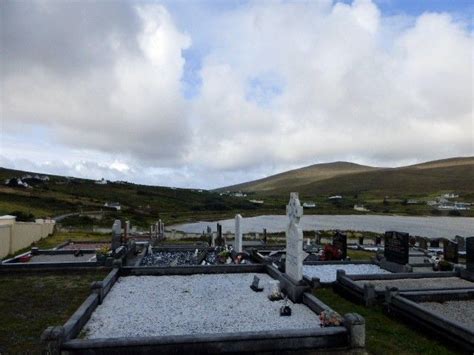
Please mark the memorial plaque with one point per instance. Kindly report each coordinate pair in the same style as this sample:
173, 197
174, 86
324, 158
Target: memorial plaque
470, 254
396, 247
340, 242
294, 239
450, 251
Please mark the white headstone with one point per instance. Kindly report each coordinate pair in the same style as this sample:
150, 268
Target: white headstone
117, 227
238, 234
294, 239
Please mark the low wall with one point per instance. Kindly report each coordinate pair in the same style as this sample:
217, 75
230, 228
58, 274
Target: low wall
20, 235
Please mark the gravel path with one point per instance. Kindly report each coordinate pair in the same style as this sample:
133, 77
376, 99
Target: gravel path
327, 273
459, 311
435, 282
194, 304
43, 258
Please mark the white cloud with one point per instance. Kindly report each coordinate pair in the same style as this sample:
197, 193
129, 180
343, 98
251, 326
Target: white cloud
282, 84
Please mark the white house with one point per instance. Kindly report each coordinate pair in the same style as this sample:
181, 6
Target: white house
101, 182
335, 197
309, 204
114, 205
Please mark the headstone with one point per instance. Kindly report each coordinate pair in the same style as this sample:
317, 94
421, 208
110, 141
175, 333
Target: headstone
151, 231
434, 243
219, 239
294, 239
396, 247
423, 243
116, 234
450, 250
126, 229
461, 242
340, 242
412, 241
265, 235
470, 254
238, 234
317, 238
378, 240
361, 240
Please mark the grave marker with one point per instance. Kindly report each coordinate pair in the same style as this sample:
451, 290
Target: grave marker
423, 243
461, 242
450, 251
294, 239
340, 242
396, 247
470, 254
219, 241
238, 234
265, 235
116, 234
434, 243
378, 240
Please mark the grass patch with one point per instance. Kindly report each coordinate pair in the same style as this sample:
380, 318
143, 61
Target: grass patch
60, 237
360, 254
30, 303
385, 335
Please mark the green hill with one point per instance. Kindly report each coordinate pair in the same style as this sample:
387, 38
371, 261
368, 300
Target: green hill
456, 174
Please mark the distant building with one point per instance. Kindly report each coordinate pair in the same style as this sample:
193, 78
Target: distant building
16, 182
360, 208
335, 197
450, 195
412, 202
114, 205
239, 194
101, 182
257, 202
309, 204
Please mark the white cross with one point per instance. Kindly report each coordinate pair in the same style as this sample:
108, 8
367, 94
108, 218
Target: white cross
294, 210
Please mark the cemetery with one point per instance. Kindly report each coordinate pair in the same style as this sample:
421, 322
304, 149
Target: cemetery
224, 295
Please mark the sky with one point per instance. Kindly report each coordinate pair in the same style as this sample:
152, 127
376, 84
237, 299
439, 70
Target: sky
205, 94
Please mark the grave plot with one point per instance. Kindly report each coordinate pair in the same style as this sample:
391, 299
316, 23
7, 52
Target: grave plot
192, 256
54, 258
449, 314
80, 245
200, 312
370, 289
325, 273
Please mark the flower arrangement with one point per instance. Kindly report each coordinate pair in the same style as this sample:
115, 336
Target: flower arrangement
330, 318
103, 251
330, 252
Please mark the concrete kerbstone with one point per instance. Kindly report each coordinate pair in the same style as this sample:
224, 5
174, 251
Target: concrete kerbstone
355, 325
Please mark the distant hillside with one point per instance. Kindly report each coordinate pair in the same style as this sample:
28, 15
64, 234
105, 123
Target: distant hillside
456, 174
300, 177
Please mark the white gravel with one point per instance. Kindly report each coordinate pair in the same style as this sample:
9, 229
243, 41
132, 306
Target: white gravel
458, 311
425, 283
56, 258
196, 304
327, 273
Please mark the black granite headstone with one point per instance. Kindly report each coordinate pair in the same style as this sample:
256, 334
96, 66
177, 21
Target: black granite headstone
470, 254
256, 284
434, 243
264, 235
450, 251
219, 239
461, 242
340, 242
396, 247
378, 240
361, 240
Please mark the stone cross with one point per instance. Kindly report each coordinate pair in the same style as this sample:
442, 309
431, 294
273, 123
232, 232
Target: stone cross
294, 239
238, 234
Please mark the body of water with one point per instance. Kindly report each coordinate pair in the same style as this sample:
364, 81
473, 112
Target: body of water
434, 227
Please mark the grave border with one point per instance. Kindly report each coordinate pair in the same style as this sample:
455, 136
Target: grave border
404, 304
349, 335
369, 295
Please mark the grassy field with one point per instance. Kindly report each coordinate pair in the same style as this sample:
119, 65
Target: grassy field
385, 335
29, 303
